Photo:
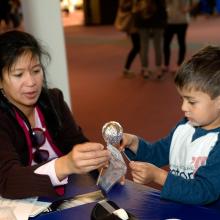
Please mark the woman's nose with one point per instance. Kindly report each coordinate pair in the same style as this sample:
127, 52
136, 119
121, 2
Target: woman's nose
30, 79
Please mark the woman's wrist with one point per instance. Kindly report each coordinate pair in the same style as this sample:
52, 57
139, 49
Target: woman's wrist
62, 167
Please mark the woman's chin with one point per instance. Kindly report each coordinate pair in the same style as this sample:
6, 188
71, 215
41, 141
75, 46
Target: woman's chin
30, 103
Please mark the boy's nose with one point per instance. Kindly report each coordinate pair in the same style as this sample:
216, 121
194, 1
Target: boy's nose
184, 107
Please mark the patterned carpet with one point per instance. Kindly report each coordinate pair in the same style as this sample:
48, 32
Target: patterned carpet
148, 108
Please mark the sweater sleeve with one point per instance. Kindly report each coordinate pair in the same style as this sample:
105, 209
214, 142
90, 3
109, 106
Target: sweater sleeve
49, 169
156, 153
17, 179
203, 189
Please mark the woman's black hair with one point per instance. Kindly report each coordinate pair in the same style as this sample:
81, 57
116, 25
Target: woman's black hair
13, 44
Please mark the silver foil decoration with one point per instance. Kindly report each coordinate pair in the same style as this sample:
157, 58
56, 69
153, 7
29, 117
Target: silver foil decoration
112, 133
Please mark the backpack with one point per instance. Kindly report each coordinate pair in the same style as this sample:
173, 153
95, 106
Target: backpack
147, 8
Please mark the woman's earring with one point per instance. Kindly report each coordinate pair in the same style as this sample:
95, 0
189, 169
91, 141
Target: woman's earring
2, 91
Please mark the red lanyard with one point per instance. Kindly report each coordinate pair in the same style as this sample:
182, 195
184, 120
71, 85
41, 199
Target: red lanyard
28, 138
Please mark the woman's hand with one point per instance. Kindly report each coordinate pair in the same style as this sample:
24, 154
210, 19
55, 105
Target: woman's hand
145, 173
82, 159
130, 141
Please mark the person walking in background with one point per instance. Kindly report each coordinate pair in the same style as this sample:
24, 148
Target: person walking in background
15, 13
129, 6
10, 14
5, 9
150, 19
177, 24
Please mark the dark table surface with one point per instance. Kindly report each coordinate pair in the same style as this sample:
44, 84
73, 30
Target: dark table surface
141, 201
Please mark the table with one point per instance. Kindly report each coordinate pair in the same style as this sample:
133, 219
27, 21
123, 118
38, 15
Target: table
142, 201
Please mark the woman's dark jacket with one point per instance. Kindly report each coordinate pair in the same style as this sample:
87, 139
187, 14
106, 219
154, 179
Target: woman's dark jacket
17, 177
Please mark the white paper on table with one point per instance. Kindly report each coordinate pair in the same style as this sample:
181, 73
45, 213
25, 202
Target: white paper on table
39, 207
6, 213
82, 199
23, 208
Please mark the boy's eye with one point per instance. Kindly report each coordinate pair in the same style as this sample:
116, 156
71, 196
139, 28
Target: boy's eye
192, 102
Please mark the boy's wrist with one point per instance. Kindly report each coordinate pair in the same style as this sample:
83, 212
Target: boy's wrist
160, 176
134, 144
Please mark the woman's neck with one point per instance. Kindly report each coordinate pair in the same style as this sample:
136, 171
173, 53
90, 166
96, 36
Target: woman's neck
30, 114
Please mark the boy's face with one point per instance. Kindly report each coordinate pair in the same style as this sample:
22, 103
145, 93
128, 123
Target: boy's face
200, 109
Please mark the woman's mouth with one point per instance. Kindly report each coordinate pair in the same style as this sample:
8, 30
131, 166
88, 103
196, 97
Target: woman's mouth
30, 95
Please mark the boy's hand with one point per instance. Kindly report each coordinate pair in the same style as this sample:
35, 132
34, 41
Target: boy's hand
145, 173
130, 141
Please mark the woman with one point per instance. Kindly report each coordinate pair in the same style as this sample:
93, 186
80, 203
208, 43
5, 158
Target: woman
40, 143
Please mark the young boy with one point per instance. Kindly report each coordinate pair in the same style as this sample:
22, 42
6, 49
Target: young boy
192, 149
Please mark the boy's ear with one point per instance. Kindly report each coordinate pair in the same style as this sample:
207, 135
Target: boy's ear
218, 101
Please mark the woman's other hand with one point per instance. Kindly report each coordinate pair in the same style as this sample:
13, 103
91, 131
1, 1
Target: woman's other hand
82, 159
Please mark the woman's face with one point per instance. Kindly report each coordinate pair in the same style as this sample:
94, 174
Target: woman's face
22, 84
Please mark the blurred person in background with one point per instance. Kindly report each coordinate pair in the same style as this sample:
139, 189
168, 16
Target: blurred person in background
177, 24
151, 19
132, 32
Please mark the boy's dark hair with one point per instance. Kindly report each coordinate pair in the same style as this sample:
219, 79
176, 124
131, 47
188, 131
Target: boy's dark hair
201, 72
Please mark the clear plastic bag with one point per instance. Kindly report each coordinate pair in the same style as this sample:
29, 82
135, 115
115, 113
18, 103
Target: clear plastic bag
109, 176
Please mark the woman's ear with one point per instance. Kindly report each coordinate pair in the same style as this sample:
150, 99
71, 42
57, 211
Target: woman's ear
1, 84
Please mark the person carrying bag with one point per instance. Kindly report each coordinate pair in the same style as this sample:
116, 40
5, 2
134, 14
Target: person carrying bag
125, 22
125, 15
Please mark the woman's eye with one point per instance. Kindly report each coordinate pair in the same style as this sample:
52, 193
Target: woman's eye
37, 70
18, 74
